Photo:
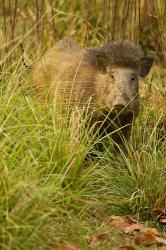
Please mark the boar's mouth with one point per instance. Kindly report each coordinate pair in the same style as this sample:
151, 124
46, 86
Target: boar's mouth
120, 107
121, 111
119, 116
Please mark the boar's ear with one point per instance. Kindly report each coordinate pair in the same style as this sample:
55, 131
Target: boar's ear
145, 65
99, 59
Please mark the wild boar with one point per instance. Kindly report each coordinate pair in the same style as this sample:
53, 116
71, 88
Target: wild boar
103, 79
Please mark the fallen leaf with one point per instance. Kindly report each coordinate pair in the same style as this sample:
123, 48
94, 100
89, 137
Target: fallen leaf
136, 227
96, 240
129, 226
151, 231
147, 240
159, 212
120, 221
127, 248
150, 240
161, 241
63, 245
162, 220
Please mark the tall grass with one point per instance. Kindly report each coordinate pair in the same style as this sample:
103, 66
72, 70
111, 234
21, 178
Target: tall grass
46, 191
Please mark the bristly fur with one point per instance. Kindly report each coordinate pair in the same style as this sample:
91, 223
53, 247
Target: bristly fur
124, 54
68, 44
80, 78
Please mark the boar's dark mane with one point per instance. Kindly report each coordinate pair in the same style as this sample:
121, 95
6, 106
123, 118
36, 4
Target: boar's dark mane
123, 54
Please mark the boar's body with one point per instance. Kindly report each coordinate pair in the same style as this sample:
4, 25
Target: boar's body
102, 79
65, 72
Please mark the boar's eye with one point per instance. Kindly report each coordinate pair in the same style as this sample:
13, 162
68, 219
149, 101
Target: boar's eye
112, 76
133, 77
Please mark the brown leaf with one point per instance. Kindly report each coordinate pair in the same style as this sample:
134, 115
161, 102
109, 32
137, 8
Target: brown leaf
128, 225
63, 245
120, 221
151, 231
134, 228
162, 220
127, 248
147, 240
150, 240
159, 212
161, 241
96, 240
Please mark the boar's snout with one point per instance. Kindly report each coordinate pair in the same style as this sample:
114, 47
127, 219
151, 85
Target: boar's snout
122, 102
119, 106
123, 88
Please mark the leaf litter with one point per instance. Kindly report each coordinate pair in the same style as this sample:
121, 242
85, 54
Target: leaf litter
161, 215
141, 235
96, 240
127, 248
149, 236
129, 226
64, 245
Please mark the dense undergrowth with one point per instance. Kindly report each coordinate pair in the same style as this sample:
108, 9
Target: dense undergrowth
48, 192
